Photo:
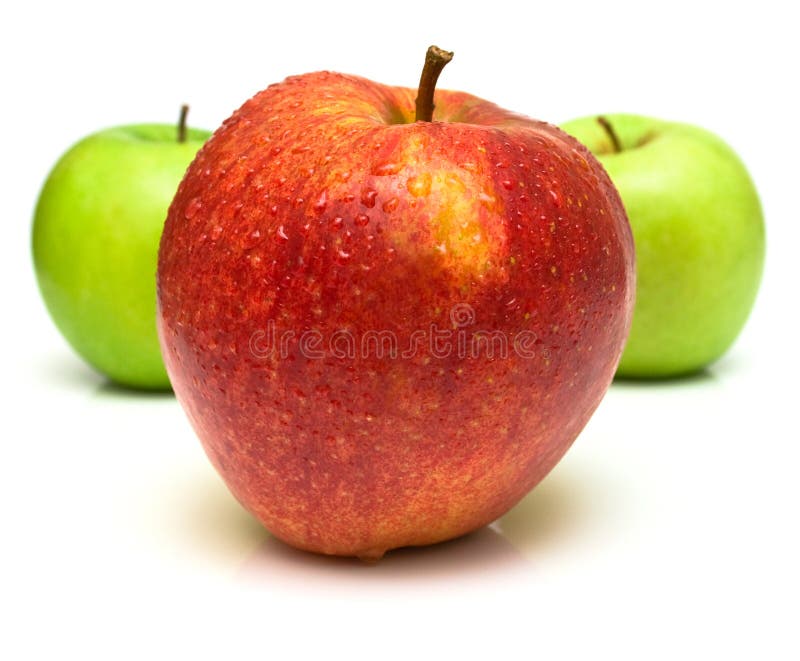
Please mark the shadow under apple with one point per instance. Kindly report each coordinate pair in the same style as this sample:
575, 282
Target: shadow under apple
67, 372
112, 389
697, 378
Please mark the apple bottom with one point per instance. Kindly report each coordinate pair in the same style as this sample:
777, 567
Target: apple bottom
416, 455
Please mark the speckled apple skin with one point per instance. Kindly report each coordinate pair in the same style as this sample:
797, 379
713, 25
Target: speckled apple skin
320, 205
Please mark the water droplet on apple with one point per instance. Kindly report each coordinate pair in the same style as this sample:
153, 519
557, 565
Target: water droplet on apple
385, 169
486, 199
194, 205
280, 235
252, 239
368, 196
216, 232
419, 185
581, 160
361, 220
342, 256
321, 203
337, 222
390, 205
507, 184
555, 197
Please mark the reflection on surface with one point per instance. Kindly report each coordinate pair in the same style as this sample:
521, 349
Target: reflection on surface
212, 522
483, 553
550, 514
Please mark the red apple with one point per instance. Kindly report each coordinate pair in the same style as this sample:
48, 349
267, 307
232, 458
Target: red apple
387, 331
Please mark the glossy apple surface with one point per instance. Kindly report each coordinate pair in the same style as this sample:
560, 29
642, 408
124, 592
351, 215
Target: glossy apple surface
699, 234
96, 230
321, 215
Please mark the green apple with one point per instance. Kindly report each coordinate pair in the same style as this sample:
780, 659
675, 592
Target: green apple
699, 235
96, 231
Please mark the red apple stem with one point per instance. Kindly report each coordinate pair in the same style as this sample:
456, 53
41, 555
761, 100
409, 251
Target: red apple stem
612, 134
435, 61
182, 123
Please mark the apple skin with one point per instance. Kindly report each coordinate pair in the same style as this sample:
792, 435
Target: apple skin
96, 231
321, 205
699, 234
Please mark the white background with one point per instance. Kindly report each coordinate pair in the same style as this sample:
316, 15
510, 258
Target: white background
668, 531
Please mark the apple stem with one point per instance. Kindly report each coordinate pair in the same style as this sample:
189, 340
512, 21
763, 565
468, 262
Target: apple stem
612, 134
435, 61
182, 123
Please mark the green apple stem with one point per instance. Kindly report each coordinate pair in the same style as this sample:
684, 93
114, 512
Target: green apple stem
612, 134
182, 123
435, 61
